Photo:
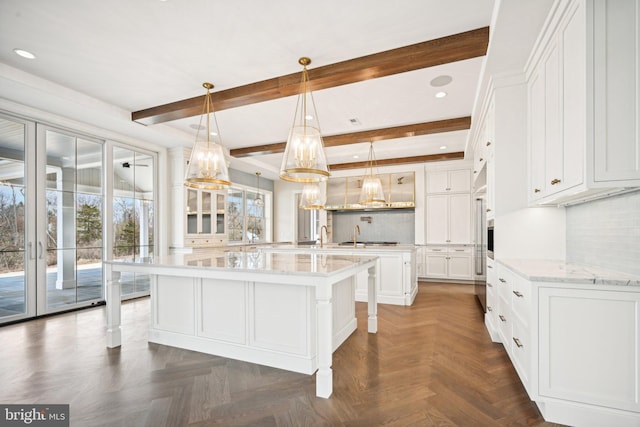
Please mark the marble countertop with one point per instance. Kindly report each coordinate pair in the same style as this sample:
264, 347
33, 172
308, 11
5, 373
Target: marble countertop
560, 271
319, 264
336, 246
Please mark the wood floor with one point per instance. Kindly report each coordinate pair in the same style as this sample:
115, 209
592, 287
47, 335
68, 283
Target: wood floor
431, 364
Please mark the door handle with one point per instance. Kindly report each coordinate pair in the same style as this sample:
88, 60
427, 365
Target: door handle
30, 250
41, 247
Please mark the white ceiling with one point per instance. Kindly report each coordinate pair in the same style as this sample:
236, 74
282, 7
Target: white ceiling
138, 54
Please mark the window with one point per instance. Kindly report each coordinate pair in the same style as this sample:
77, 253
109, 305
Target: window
248, 218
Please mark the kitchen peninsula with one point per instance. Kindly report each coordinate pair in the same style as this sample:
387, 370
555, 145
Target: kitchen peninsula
285, 310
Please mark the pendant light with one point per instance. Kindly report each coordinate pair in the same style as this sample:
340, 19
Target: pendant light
371, 193
207, 167
312, 197
304, 159
259, 201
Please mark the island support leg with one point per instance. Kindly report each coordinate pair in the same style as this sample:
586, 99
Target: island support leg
324, 375
372, 325
114, 332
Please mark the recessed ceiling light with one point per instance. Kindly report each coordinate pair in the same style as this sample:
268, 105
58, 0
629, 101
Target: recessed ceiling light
355, 156
441, 94
443, 147
24, 53
441, 81
355, 121
308, 117
212, 133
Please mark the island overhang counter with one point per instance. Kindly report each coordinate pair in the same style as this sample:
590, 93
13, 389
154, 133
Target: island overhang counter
285, 310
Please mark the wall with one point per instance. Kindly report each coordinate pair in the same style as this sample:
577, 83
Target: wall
606, 233
386, 226
250, 180
285, 210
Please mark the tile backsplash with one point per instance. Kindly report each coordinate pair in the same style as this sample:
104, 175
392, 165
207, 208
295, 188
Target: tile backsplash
606, 233
384, 226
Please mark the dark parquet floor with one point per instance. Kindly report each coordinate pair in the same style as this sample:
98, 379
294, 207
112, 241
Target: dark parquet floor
431, 364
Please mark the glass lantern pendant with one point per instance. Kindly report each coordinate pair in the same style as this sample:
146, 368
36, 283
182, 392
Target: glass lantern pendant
371, 194
207, 167
311, 197
304, 159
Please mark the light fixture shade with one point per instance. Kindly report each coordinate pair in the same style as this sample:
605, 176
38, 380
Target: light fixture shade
207, 168
304, 159
312, 197
372, 193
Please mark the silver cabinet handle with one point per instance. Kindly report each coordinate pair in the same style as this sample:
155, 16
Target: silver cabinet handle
502, 318
489, 308
489, 266
502, 280
518, 294
41, 247
489, 285
518, 343
459, 250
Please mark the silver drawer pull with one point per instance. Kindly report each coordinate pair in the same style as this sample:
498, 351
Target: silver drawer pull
489, 266
459, 250
489, 285
502, 280
489, 308
518, 294
518, 343
502, 318
436, 250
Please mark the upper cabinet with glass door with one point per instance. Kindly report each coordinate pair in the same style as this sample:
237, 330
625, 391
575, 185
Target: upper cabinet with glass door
205, 217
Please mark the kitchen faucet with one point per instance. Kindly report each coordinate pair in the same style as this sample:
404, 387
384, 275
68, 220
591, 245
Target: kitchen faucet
356, 229
326, 232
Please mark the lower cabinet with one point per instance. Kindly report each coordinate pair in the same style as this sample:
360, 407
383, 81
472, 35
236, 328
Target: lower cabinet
589, 345
575, 347
447, 262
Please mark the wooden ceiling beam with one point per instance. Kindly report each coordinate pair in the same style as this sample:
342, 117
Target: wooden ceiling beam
457, 47
417, 129
401, 160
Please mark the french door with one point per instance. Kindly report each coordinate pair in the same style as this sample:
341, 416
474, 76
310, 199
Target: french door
51, 219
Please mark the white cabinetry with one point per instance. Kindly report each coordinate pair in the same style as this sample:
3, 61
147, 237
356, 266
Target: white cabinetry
491, 316
589, 344
449, 218
205, 217
575, 347
449, 181
583, 123
448, 262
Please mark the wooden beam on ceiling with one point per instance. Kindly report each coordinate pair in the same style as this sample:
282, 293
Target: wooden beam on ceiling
457, 47
417, 129
401, 160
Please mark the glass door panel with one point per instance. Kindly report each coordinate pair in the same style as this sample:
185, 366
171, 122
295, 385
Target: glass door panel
13, 204
133, 213
73, 211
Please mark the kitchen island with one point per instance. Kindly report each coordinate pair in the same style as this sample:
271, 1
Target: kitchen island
396, 281
285, 310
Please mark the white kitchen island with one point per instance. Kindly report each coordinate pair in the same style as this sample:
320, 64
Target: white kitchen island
285, 310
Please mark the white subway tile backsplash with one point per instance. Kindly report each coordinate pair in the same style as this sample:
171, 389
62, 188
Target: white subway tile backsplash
606, 233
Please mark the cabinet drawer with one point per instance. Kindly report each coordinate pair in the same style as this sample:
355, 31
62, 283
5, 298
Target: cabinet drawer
521, 300
437, 249
521, 351
503, 322
460, 250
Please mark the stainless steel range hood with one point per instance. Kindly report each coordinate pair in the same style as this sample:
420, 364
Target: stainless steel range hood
399, 190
